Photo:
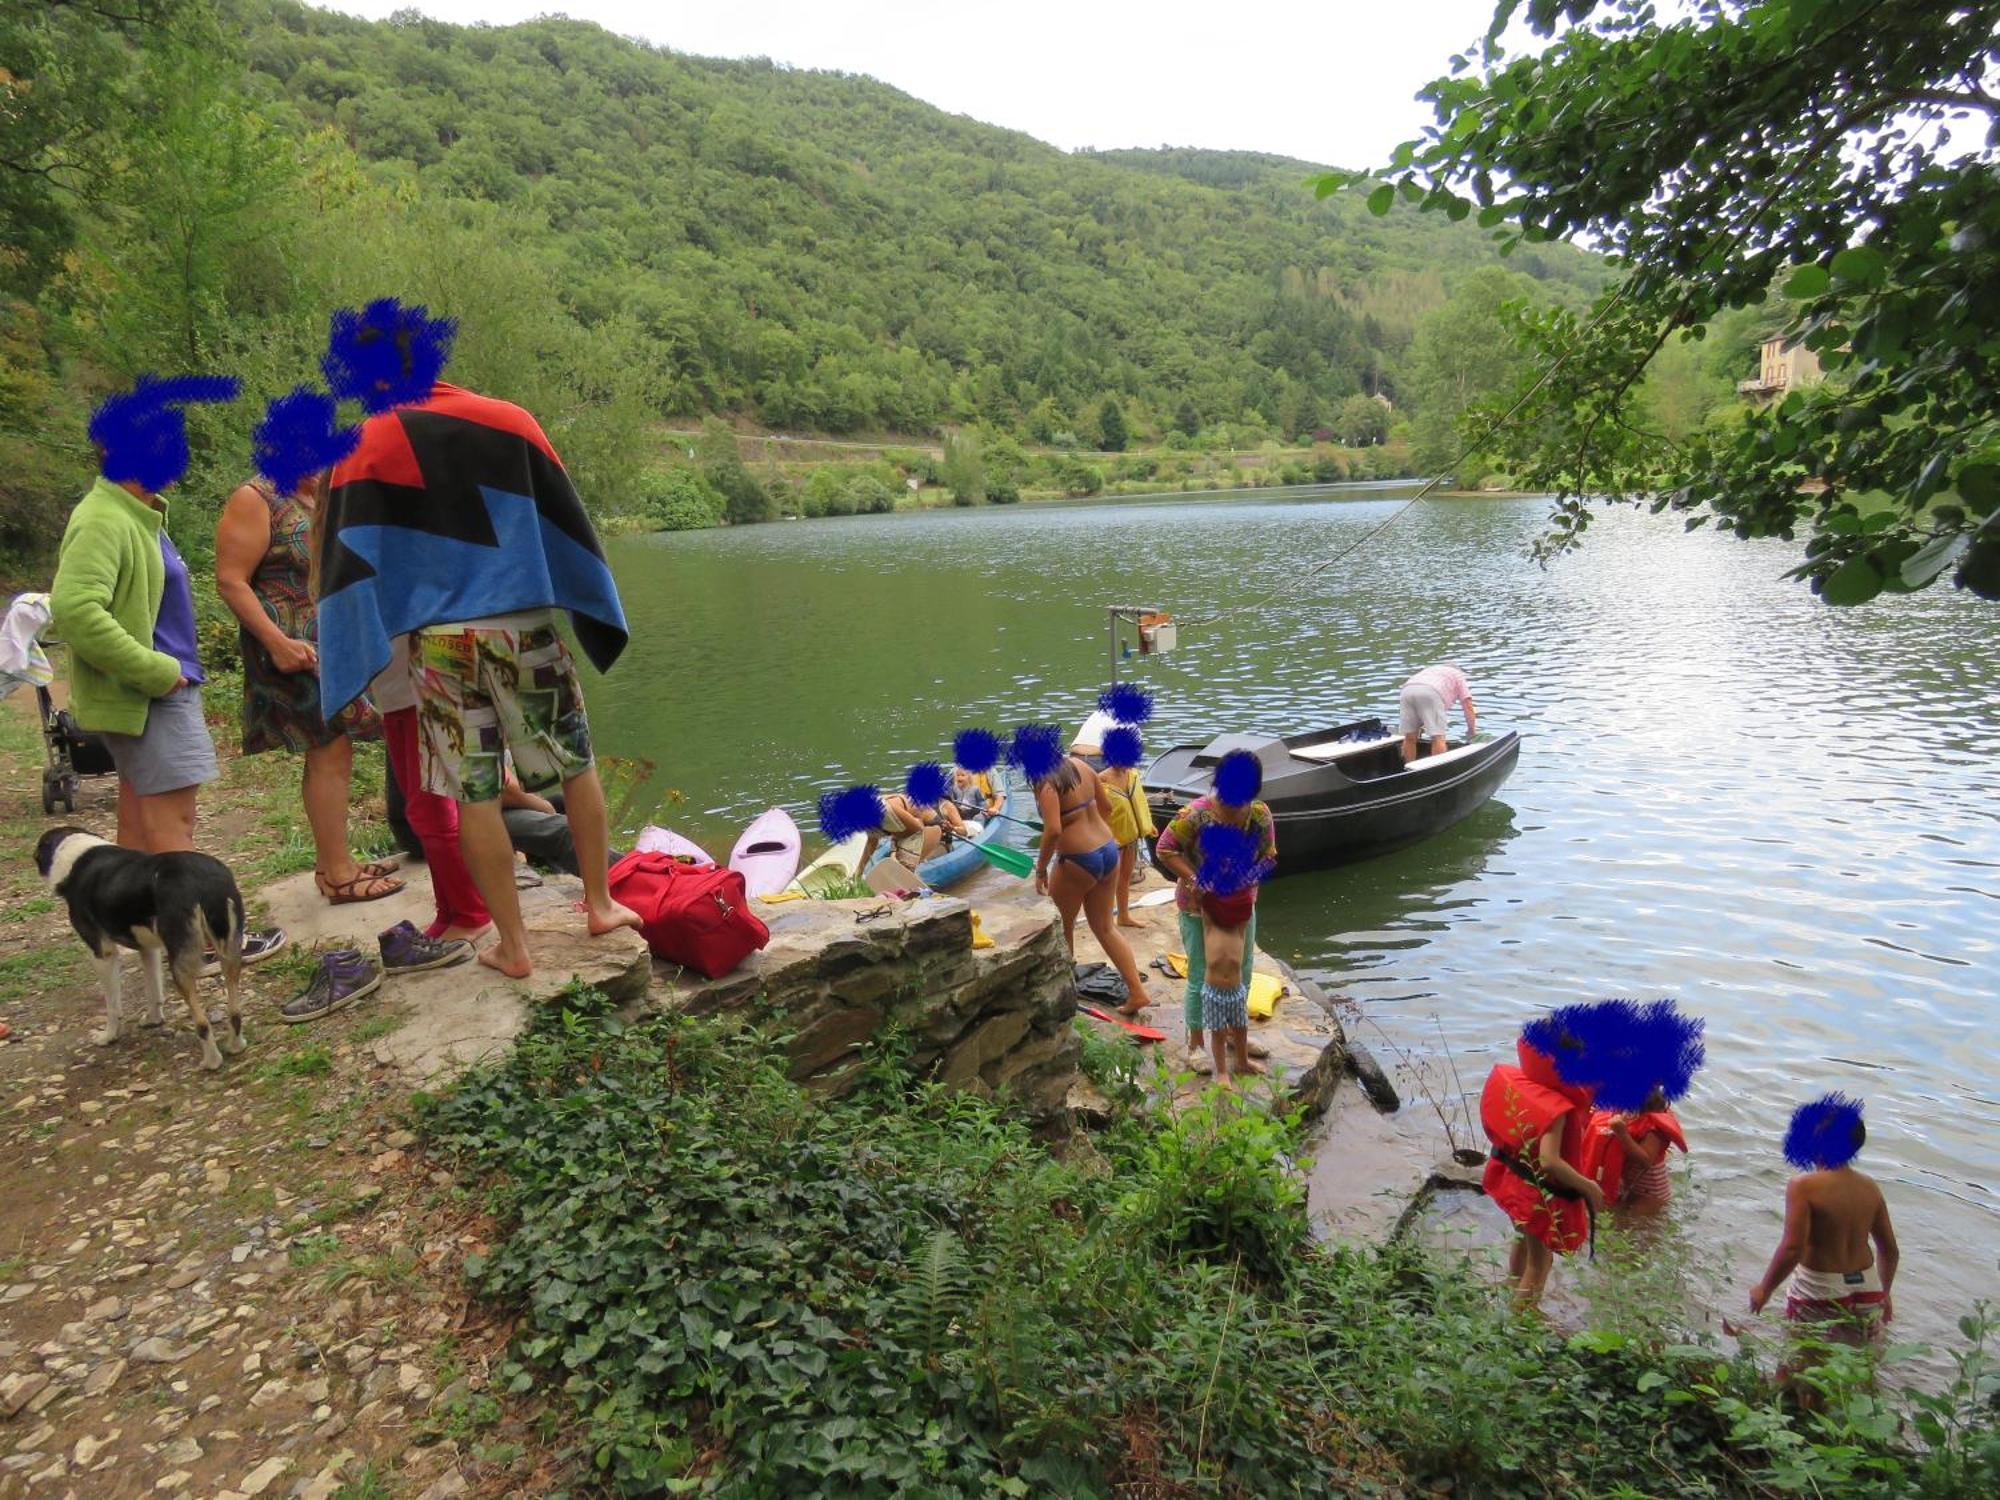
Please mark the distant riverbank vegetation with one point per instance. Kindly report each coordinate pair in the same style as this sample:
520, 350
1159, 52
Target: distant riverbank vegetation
653, 252
636, 241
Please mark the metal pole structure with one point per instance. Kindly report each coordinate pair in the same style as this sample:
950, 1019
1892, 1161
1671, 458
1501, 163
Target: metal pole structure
1114, 647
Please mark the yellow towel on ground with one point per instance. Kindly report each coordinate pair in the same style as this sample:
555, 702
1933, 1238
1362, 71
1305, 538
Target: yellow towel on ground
979, 937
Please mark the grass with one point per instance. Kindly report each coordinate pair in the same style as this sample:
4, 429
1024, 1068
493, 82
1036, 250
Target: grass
36, 971
309, 1061
381, 1024
370, 1483
29, 906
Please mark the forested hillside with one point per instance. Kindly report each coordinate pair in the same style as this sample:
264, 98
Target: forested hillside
632, 235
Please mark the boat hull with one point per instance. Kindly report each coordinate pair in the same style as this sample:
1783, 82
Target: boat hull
1341, 801
944, 870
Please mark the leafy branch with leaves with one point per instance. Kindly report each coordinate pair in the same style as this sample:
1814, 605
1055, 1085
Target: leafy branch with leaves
1838, 153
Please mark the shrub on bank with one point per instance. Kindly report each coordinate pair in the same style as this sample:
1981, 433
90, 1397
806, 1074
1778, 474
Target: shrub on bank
679, 499
750, 1289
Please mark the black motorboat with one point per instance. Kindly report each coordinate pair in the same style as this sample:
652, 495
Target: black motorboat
1344, 793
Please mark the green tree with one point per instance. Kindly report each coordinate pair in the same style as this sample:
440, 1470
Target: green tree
964, 471
1841, 151
680, 499
1465, 353
1186, 418
1111, 434
744, 501
1361, 422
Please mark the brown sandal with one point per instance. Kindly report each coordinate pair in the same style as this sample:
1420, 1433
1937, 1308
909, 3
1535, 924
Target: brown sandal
346, 892
380, 868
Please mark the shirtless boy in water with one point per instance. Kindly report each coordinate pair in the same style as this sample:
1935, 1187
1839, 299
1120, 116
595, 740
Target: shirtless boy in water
1837, 1234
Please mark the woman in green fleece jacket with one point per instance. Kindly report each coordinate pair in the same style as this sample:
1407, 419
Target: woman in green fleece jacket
122, 601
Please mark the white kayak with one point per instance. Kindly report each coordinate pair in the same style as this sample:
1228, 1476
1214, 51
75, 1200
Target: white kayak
767, 856
841, 862
657, 840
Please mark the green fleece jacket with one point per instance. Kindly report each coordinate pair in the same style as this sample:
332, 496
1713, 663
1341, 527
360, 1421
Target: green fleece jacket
104, 602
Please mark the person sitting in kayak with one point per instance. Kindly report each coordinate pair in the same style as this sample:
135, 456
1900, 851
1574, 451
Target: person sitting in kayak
1233, 805
1078, 859
1426, 698
918, 820
1837, 1236
974, 796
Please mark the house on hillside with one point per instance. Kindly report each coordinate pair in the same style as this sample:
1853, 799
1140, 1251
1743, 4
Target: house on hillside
1782, 364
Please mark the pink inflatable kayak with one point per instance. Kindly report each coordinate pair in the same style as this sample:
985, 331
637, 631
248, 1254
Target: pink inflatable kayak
767, 856
657, 840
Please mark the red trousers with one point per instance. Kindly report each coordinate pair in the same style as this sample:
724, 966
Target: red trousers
434, 820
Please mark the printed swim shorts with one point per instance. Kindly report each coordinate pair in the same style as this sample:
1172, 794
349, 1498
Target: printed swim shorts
487, 692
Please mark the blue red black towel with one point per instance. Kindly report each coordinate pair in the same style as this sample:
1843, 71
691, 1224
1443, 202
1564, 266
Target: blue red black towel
452, 509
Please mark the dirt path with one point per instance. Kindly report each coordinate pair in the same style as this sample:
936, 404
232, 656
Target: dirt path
232, 1284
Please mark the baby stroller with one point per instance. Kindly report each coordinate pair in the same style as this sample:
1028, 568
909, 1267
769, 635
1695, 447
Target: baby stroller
72, 753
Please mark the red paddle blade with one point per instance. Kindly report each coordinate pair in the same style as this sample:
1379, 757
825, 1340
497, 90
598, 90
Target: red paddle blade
1143, 1033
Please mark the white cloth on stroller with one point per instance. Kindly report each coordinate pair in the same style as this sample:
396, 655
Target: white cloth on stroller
22, 659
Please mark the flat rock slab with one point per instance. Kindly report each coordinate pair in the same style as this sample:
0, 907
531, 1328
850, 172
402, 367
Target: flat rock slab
458, 1016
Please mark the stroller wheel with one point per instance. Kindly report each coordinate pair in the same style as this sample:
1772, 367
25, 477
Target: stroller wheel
48, 798
70, 787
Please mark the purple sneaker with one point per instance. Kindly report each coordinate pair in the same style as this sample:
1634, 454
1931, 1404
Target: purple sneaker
342, 978
405, 950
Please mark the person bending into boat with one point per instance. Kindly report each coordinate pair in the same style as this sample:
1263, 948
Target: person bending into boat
1233, 805
1077, 864
1426, 698
916, 819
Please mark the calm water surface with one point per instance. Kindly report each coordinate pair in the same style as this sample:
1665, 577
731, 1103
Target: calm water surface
1785, 815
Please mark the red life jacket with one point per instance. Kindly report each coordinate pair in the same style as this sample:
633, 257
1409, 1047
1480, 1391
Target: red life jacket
1604, 1158
1519, 1106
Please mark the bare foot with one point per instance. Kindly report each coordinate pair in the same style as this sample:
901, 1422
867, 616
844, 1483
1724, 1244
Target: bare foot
513, 968
469, 934
1245, 1065
1131, 922
609, 918
1132, 1012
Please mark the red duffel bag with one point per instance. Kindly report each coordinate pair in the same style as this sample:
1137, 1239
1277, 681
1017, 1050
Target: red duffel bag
690, 914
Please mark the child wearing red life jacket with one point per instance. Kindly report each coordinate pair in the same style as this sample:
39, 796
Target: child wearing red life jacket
1538, 1125
1626, 1154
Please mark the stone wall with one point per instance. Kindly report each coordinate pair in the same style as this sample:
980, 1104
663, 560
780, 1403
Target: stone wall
837, 972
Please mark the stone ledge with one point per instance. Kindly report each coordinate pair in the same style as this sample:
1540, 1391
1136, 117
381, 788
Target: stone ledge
837, 973
467, 1013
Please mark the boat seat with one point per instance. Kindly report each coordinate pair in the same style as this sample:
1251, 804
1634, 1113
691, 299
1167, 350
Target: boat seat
1341, 749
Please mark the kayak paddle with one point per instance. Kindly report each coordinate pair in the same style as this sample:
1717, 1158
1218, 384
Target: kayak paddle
1013, 861
1140, 1033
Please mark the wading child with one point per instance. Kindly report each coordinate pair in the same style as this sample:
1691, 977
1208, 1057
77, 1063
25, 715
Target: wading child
1626, 1154
1537, 1114
1234, 838
1837, 1245
1131, 818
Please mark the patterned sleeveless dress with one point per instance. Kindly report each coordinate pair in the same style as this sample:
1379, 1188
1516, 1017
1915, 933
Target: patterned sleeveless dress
281, 709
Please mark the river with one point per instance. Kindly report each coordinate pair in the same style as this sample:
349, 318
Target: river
1787, 816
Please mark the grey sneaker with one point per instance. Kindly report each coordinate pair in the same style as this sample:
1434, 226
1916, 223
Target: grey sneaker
405, 950
259, 943
342, 978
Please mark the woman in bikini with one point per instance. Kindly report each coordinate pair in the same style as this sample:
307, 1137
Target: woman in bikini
1078, 860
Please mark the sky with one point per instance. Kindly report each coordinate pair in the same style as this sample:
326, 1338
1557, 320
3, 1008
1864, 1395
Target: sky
1330, 81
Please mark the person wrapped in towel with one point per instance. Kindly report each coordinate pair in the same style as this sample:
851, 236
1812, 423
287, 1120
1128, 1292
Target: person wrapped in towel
1838, 1246
1537, 1115
1626, 1154
453, 528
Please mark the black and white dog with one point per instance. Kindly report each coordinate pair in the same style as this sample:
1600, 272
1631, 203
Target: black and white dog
168, 908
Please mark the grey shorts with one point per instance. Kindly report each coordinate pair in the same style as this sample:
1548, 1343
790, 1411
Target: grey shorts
1423, 711
175, 750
